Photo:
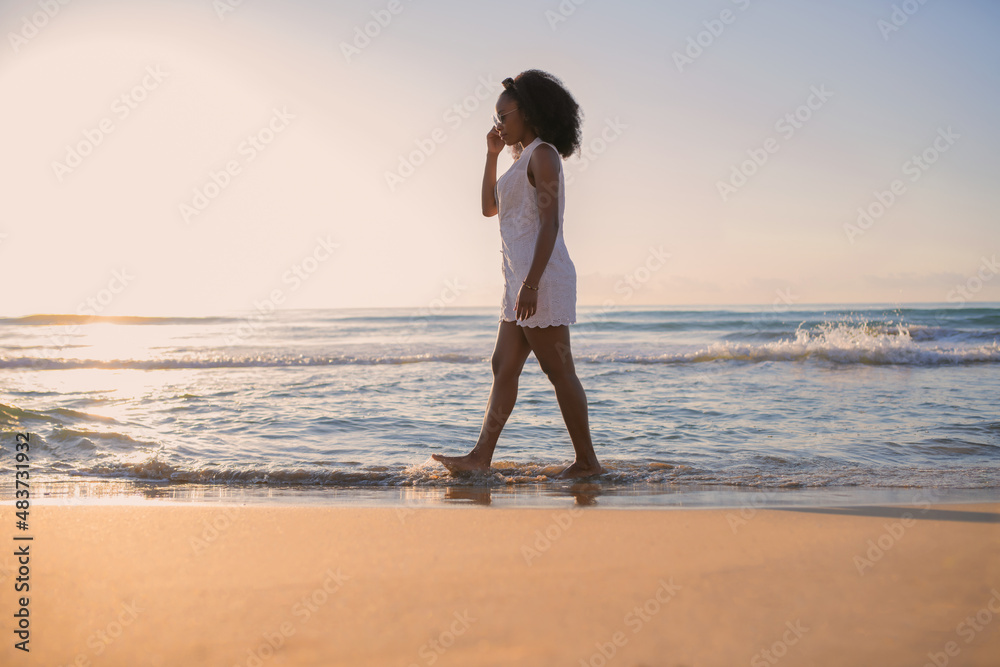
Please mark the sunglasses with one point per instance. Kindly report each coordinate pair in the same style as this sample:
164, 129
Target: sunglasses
498, 118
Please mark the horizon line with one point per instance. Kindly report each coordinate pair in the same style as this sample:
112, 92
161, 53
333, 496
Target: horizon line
446, 309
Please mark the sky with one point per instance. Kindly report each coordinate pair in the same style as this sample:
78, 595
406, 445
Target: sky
197, 157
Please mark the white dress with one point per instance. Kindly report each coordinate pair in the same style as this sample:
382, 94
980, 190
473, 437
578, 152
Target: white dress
519, 227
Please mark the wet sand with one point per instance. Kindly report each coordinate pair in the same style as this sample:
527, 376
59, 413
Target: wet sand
179, 585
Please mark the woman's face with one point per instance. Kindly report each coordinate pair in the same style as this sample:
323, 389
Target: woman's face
511, 118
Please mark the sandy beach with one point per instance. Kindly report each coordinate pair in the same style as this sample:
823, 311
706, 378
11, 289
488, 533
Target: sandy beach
171, 585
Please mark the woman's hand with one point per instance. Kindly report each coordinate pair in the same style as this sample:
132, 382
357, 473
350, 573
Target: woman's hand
494, 144
526, 304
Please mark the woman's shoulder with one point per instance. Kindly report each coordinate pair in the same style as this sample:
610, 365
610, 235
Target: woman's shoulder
545, 152
546, 146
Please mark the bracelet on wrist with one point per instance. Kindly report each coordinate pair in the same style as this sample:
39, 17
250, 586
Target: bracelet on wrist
525, 283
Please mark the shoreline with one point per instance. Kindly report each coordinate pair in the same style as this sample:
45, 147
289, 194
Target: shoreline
457, 492
161, 585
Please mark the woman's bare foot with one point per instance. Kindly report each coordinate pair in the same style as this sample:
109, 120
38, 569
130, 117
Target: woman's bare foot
467, 463
577, 470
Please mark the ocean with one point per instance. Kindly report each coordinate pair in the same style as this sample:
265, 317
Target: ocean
688, 406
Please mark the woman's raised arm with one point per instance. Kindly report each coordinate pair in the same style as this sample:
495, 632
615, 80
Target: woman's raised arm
494, 144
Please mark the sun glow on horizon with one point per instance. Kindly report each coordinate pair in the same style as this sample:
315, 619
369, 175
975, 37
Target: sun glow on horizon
224, 163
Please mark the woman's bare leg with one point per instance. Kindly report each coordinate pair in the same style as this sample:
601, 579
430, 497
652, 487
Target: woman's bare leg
552, 349
509, 355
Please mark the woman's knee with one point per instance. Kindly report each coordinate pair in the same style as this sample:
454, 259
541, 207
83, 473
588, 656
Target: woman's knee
557, 370
504, 367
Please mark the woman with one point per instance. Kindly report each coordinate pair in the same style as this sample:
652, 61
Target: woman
538, 118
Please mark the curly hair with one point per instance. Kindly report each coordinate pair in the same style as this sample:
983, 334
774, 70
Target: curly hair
549, 110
